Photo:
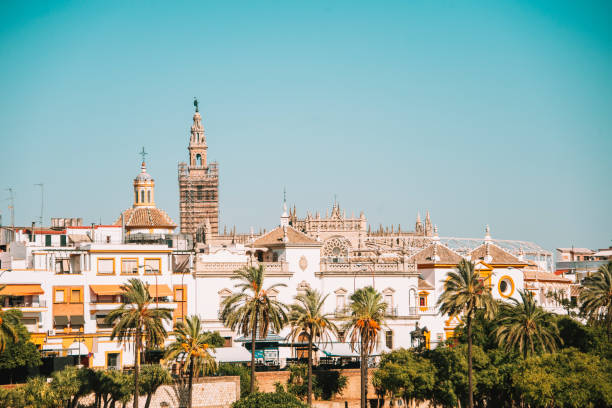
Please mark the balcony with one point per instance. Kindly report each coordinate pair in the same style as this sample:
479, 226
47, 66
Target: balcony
107, 306
228, 268
342, 311
367, 268
27, 305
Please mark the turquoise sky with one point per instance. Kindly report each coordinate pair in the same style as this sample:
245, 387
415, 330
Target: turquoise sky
486, 112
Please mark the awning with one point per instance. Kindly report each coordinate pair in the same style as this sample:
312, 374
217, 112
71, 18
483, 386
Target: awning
77, 320
21, 290
102, 290
270, 338
345, 350
52, 346
60, 320
231, 354
159, 290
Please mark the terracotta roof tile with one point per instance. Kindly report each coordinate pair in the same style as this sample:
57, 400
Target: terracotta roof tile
447, 256
532, 275
423, 284
146, 217
275, 237
498, 255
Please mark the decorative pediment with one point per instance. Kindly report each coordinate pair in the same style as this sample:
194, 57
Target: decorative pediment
453, 321
303, 286
340, 291
224, 292
388, 291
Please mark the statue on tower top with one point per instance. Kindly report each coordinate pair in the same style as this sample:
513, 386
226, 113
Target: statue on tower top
196, 103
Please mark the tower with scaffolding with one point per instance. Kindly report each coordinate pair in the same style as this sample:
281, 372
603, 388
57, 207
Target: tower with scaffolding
198, 185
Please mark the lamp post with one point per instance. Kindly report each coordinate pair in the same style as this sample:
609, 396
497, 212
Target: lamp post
156, 286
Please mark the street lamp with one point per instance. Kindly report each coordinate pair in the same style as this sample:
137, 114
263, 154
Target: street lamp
156, 286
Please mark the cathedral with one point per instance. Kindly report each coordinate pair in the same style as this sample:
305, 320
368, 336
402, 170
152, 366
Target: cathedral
70, 276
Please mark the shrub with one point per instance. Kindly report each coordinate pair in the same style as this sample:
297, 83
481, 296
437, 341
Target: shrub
243, 372
269, 400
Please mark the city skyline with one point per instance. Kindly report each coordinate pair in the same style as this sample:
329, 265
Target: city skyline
495, 115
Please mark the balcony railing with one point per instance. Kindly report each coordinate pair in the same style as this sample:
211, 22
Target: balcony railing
33, 304
342, 311
228, 267
351, 268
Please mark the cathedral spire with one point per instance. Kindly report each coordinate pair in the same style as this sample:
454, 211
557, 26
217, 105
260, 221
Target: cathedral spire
428, 225
284, 216
197, 142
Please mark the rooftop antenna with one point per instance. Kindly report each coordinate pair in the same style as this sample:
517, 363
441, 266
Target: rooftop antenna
12, 209
42, 202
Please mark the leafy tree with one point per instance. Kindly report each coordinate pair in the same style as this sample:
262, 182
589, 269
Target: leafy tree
19, 353
7, 330
451, 373
363, 326
307, 317
152, 377
70, 384
12, 397
596, 297
575, 334
193, 344
568, 378
526, 326
464, 293
325, 383
251, 311
269, 400
237, 370
135, 319
406, 375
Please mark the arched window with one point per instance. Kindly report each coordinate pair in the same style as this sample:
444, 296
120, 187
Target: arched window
149, 196
142, 196
135, 196
198, 160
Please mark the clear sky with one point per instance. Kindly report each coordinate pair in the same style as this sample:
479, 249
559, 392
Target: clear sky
485, 112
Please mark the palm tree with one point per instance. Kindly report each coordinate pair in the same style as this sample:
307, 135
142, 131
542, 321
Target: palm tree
136, 319
194, 343
596, 297
306, 317
7, 328
251, 311
464, 292
526, 325
363, 326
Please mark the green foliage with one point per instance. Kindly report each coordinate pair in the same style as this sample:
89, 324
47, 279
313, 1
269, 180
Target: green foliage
329, 383
325, 383
72, 383
596, 297
406, 375
269, 400
526, 327
19, 353
565, 379
239, 370
151, 378
250, 311
215, 339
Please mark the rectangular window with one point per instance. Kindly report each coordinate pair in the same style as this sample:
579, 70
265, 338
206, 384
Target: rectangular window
152, 265
422, 301
59, 296
129, 266
75, 296
178, 295
340, 302
112, 360
389, 339
101, 322
62, 240
47, 240
106, 266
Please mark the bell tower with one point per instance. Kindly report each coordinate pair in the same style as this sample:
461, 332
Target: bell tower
198, 183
